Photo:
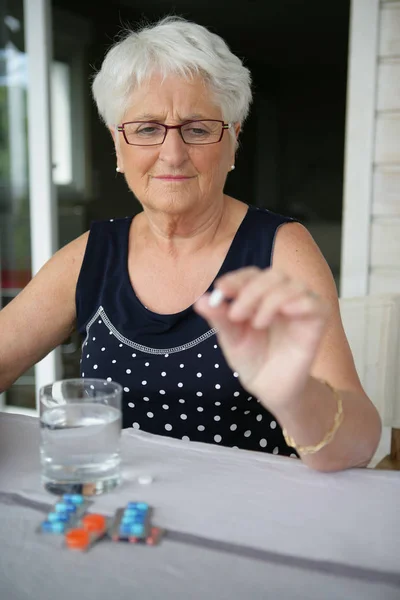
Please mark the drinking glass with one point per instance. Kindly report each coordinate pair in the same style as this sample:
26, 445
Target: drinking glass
80, 430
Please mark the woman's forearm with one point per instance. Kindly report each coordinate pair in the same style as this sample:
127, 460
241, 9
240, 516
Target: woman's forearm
309, 419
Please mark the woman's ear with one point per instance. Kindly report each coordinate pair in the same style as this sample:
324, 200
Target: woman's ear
115, 138
237, 130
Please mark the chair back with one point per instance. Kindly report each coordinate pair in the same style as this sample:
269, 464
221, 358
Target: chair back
372, 326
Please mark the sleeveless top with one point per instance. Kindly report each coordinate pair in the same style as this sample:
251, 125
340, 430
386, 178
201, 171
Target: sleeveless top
175, 379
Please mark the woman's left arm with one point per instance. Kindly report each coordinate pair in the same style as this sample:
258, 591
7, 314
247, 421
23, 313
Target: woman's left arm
282, 332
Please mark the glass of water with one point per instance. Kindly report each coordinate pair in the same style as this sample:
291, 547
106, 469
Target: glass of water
80, 430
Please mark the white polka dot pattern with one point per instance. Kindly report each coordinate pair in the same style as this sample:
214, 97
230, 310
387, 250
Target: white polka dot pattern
227, 414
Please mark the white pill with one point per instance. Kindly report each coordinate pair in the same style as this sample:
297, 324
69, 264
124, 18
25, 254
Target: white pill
145, 479
216, 297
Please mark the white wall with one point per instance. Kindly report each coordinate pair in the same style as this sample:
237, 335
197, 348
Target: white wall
371, 218
385, 211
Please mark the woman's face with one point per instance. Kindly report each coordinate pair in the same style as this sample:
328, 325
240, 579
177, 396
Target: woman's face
175, 177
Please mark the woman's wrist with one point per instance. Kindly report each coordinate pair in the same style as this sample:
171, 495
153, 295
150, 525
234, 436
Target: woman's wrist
285, 400
329, 435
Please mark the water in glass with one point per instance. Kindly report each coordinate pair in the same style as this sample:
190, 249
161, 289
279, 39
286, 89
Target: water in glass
80, 440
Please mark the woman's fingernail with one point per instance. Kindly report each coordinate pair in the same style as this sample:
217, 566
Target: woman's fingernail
215, 299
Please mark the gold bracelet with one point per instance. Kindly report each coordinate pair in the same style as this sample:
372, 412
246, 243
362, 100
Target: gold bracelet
329, 436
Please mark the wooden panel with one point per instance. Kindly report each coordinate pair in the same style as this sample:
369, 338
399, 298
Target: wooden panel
387, 140
389, 30
359, 148
385, 243
384, 281
388, 92
386, 191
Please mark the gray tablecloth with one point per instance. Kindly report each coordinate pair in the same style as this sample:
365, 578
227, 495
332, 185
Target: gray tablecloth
239, 525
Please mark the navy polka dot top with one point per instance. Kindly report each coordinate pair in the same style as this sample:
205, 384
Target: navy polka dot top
176, 381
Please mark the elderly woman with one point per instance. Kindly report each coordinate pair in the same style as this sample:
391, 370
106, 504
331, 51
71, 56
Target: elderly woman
220, 320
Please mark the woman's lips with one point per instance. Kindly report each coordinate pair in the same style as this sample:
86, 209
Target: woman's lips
173, 177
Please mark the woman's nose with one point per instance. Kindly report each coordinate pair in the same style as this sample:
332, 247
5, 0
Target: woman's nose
174, 150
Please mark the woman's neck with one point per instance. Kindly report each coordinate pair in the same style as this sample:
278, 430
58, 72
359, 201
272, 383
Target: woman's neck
180, 235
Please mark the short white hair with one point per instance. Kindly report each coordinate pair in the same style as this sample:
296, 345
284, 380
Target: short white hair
171, 46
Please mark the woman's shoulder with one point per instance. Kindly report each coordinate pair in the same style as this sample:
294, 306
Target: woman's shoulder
296, 252
104, 234
266, 216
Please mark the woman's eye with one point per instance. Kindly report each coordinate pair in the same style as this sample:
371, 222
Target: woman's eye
148, 130
197, 131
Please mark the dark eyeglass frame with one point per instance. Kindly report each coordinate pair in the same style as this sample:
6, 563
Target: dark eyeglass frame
225, 126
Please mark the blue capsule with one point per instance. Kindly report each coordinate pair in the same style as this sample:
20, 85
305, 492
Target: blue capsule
131, 524
125, 520
124, 529
137, 505
58, 516
74, 498
134, 518
65, 507
136, 530
53, 527
131, 513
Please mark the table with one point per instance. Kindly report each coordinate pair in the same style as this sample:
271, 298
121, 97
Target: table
240, 525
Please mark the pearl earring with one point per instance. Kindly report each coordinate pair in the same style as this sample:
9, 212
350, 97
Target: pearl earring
118, 170
232, 167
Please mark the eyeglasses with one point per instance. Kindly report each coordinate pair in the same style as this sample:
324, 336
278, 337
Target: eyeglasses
151, 133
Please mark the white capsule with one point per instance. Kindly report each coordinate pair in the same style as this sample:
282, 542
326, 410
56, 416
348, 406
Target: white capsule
216, 297
145, 479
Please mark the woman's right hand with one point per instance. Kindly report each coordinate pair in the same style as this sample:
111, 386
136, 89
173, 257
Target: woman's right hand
270, 331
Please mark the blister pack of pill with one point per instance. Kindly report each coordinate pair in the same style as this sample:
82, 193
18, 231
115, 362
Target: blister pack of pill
81, 530
132, 523
64, 514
